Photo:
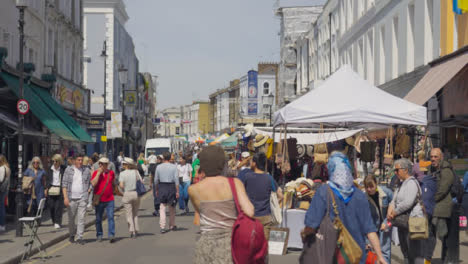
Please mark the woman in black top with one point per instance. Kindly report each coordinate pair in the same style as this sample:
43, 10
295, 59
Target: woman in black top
54, 190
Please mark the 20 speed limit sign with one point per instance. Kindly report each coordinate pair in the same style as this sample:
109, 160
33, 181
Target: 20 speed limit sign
22, 106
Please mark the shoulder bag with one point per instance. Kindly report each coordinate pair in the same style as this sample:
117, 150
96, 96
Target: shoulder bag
347, 250
274, 206
97, 197
248, 243
321, 150
27, 184
320, 247
388, 151
418, 226
140, 187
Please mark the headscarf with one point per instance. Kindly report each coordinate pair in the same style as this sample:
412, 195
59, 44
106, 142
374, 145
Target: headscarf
341, 178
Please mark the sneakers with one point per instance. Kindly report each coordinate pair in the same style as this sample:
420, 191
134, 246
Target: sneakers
99, 239
72, 239
80, 241
2, 228
56, 226
163, 231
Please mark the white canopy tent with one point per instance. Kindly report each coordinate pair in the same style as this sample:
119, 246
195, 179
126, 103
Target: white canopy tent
347, 100
312, 138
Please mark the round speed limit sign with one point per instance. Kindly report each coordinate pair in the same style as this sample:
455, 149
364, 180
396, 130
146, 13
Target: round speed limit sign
22, 106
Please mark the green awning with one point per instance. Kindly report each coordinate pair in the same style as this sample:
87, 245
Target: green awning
79, 132
231, 141
46, 109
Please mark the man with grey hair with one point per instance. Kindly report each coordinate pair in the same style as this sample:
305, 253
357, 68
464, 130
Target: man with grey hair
445, 217
75, 186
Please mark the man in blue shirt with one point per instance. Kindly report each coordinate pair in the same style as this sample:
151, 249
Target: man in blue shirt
244, 165
259, 186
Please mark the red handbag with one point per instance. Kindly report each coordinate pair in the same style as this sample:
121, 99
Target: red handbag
248, 243
371, 257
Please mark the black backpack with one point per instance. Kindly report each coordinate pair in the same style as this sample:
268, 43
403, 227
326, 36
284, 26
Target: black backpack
456, 190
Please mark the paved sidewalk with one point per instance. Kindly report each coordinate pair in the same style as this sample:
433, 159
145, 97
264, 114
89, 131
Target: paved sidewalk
12, 247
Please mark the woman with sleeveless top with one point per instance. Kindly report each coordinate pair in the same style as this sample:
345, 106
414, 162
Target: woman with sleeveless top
213, 200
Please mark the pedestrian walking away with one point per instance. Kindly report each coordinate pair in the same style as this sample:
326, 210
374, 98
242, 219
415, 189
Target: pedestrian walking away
166, 183
5, 174
351, 204
259, 185
213, 200
128, 180
184, 172
75, 186
54, 190
103, 183
152, 161
156, 201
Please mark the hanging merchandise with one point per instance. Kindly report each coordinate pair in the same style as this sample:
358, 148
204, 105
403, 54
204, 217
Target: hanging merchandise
402, 146
368, 151
321, 150
270, 144
292, 148
286, 165
424, 164
388, 153
463, 5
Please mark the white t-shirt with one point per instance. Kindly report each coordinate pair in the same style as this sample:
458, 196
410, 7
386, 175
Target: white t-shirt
184, 172
56, 176
77, 184
152, 159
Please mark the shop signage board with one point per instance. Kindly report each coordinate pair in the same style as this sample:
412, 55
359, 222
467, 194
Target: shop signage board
22, 106
71, 95
130, 98
116, 125
252, 96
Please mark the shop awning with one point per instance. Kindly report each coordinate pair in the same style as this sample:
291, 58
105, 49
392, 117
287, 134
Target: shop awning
436, 78
48, 111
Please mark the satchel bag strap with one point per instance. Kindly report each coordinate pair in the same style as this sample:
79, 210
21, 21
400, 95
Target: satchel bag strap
335, 207
419, 200
234, 194
285, 147
105, 185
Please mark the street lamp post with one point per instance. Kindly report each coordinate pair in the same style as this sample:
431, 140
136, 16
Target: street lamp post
123, 77
104, 55
268, 100
21, 5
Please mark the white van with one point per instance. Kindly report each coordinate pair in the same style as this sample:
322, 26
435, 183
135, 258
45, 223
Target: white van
157, 146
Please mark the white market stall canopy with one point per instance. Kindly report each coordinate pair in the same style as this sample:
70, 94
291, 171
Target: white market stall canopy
312, 138
347, 100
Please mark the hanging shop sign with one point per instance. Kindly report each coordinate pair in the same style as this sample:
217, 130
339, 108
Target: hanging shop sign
252, 84
116, 125
71, 95
130, 98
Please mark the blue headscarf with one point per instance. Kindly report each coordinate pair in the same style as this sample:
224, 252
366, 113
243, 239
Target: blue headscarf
341, 178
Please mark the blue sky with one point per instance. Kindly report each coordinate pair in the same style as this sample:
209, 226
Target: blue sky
196, 47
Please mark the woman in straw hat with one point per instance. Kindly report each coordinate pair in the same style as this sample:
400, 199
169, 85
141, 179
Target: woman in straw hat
128, 180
